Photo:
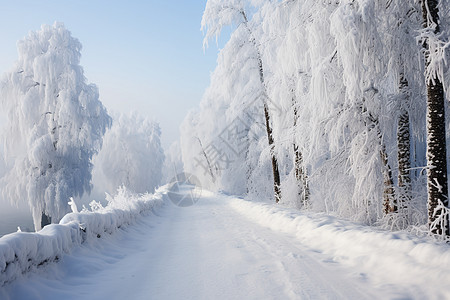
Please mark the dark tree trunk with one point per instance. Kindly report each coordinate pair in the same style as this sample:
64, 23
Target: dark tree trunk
404, 159
436, 142
276, 173
300, 170
301, 175
436, 155
390, 202
404, 150
45, 220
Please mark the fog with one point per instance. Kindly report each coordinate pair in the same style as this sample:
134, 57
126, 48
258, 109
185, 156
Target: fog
13, 216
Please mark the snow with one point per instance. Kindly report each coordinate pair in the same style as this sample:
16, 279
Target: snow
229, 248
22, 252
389, 259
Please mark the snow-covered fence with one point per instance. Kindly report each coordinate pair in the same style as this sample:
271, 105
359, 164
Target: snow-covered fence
21, 252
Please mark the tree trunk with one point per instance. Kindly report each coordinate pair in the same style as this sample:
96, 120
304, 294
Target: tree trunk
301, 176
404, 150
45, 220
213, 178
300, 170
276, 173
437, 185
390, 202
436, 156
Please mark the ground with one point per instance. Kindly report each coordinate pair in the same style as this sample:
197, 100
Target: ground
210, 250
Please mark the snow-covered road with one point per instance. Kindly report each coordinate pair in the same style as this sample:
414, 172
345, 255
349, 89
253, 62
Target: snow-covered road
206, 251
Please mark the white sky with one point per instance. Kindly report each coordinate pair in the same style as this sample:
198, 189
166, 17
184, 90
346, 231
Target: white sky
143, 55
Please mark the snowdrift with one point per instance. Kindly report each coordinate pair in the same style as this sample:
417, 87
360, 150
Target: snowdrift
386, 258
21, 252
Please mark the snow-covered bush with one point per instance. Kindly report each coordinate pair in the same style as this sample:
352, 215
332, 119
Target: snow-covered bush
55, 123
22, 252
131, 156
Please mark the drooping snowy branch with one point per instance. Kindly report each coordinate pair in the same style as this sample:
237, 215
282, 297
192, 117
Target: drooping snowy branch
219, 14
435, 54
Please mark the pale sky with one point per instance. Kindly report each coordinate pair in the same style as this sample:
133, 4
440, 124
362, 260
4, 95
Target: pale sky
144, 55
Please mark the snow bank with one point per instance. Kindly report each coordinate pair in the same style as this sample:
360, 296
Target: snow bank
21, 252
386, 258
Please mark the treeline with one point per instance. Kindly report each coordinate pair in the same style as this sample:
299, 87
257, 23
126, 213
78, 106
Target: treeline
333, 106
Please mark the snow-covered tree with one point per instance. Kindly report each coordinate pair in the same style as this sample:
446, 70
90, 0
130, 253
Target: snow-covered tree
55, 124
220, 141
173, 163
218, 14
131, 156
437, 181
345, 86
400, 20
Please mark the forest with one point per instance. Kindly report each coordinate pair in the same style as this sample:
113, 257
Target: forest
328, 106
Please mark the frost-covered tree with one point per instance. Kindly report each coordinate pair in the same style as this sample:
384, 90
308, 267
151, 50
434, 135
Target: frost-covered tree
437, 182
55, 124
131, 156
222, 141
402, 19
346, 90
218, 14
173, 164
